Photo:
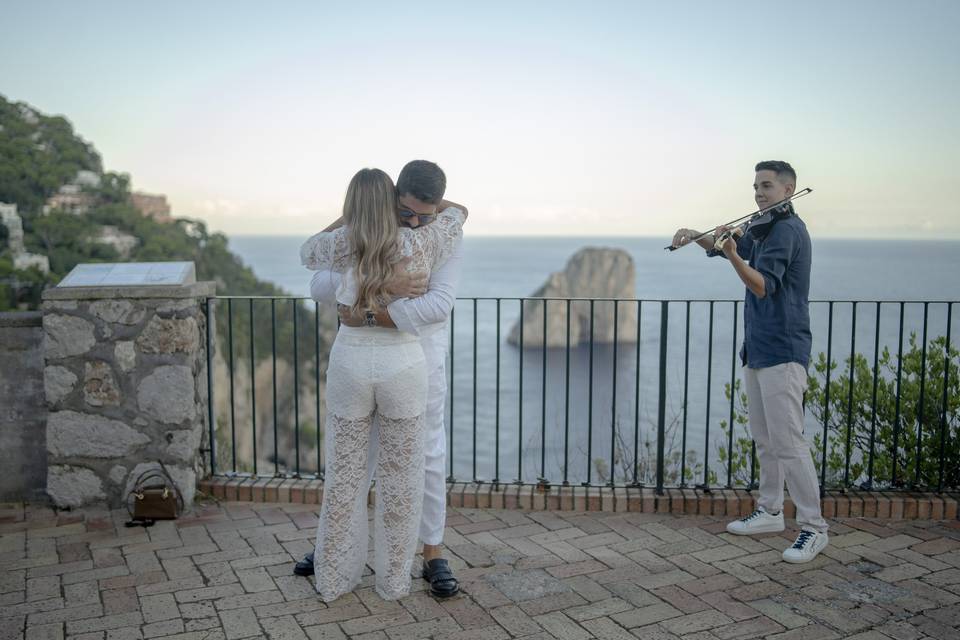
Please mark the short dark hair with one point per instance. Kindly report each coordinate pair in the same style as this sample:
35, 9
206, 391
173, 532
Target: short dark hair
423, 180
779, 167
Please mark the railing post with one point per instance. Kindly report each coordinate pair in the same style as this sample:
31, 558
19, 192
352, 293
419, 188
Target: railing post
210, 413
662, 405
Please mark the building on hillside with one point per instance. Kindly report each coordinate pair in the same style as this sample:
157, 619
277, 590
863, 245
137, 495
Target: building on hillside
69, 199
152, 206
22, 259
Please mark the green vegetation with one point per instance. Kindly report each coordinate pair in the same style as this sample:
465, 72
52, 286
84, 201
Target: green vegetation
909, 431
38, 154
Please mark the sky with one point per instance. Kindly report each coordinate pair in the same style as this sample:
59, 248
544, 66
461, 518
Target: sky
549, 118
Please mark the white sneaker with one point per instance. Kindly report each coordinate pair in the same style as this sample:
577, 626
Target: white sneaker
808, 545
757, 522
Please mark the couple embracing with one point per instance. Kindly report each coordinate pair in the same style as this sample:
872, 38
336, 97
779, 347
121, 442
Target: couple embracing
391, 263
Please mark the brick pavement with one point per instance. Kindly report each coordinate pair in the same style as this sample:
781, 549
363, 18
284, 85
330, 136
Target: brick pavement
224, 572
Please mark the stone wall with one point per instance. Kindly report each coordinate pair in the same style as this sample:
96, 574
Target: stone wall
23, 412
126, 385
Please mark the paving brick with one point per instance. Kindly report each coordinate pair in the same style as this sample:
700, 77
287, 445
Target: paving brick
723, 602
576, 569
682, 600
81, 594
693, 622
779, 613
515, 620
204, 593
104, 623
759, 627
120, 600
164, 628
53, 631
239, 623
560, 626
484, 633
467, 613
606, 629
646, 615
326, 632
248, 600
332, 614
283, 628
586, 588
43, 588
414, 631
159, 607
809, 632
367, 624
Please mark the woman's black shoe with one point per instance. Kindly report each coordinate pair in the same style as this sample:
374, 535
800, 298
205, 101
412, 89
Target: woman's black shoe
305, 566
438, 574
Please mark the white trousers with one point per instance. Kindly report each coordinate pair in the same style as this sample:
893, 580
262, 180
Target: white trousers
775, 398
434, 517
372, 373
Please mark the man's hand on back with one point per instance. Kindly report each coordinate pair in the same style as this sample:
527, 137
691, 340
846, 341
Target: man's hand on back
406, 284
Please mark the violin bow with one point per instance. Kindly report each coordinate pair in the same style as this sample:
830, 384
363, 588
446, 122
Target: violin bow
759, 212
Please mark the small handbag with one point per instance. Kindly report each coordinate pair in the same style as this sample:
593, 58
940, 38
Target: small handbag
154, 497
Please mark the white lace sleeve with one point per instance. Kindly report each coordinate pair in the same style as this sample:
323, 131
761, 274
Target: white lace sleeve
327, 251
437, 241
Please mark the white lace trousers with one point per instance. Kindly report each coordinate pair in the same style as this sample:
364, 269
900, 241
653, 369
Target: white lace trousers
372, 372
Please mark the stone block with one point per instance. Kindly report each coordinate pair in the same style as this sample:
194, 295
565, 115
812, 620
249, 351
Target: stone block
183, 444
73, 434
125, 355
67, 336
167, 394
169, 336
100, 388
58, 383
70, 486
118, 311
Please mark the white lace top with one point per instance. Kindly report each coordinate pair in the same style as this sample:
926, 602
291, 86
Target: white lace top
427, 247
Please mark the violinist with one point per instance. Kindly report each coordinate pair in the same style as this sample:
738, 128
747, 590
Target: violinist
772, 256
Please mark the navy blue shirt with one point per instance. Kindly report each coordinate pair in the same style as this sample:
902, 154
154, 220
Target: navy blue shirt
777, 326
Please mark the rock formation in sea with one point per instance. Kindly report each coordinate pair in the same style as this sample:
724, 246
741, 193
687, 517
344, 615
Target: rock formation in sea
601, 273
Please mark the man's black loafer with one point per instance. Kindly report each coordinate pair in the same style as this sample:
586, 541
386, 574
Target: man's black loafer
438, 574
304, 567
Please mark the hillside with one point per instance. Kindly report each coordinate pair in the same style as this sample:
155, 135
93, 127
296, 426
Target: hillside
41, 153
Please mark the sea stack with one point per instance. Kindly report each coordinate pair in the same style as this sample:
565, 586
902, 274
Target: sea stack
592, 272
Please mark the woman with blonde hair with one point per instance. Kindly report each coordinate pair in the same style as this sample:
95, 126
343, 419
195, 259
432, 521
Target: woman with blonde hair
374, 371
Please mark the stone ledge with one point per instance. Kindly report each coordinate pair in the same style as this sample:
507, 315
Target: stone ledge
717, 502
195, 290
21, 318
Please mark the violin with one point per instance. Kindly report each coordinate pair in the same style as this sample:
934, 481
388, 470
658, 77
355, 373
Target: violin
758, 224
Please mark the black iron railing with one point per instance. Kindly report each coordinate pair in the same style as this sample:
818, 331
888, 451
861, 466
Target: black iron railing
609, 392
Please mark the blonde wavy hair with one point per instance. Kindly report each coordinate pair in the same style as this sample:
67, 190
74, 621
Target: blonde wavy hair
370, 213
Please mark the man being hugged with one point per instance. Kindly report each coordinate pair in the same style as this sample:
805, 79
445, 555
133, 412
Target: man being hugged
773, 261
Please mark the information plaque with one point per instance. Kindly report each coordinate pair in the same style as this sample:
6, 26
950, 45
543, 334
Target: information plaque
130, 274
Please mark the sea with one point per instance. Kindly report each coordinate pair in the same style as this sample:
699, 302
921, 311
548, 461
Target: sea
593, 413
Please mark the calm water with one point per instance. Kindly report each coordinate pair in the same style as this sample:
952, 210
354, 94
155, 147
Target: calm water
550, 431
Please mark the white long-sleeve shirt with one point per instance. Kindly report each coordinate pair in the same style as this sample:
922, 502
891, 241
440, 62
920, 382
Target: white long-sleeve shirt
425, 316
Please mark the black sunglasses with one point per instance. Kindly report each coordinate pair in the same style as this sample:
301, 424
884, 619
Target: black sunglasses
422, 218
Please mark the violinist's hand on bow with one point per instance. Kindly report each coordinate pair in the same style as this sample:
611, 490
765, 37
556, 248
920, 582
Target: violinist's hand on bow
684, 236
727, 239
